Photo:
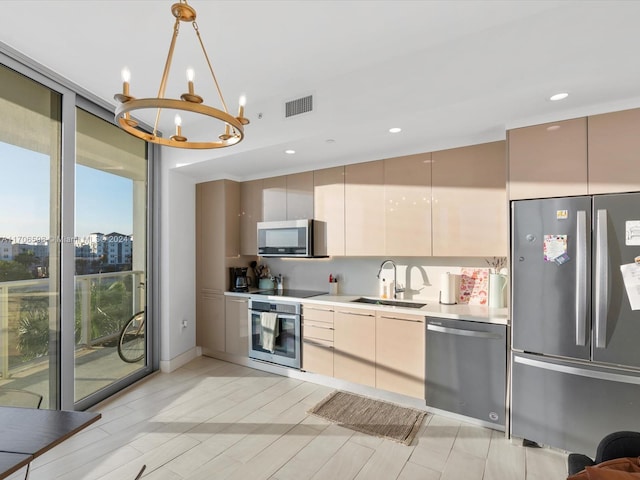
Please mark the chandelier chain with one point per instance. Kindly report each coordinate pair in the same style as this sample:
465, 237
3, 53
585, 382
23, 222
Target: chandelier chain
215, 80
165, 73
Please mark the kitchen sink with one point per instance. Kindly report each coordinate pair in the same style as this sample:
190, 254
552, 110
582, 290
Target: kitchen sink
390, 303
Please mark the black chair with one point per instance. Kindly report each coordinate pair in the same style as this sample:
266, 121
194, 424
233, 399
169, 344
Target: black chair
614, 445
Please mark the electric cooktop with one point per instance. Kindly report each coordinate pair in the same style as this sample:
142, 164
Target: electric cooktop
288, 292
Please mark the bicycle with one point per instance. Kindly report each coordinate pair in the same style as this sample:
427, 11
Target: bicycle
131, 341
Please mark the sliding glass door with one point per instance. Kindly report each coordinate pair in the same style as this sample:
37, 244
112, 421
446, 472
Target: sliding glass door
74, 210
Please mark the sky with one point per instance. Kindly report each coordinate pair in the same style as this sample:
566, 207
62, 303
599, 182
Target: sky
104, 202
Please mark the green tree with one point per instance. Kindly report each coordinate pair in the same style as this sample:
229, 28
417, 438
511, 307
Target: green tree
33, 330
11, 270
27, 259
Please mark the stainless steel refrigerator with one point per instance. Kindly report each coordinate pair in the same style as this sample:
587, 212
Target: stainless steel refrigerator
575, 373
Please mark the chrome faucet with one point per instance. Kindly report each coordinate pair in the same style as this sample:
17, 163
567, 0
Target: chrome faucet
396, 289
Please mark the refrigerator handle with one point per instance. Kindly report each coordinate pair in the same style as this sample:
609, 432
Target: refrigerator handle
581, 278
602, 279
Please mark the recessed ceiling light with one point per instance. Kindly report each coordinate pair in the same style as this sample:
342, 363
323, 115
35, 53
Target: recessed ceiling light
289, 152
395, 130
558, 96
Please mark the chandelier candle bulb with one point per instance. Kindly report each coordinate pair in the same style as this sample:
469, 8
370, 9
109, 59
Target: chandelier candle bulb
242, 102
190, 76
178, 136
126, 76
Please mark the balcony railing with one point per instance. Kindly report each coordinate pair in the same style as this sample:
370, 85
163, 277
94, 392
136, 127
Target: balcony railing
104, 302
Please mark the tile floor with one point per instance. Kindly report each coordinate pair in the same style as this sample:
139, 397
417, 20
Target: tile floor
215, 420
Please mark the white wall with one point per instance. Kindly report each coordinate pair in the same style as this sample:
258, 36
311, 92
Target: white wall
177, 268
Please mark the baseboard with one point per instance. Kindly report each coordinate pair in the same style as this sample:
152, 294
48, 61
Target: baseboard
168, 366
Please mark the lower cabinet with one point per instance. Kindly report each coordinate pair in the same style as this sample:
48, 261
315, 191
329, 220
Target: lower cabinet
210, 327
400, 353
354, 357
237, 326
317, 339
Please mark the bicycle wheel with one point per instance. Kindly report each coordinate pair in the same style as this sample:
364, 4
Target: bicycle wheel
131, 342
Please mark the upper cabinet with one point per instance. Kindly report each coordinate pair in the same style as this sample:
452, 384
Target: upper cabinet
217, 232
300, 196
470, 210
407, 206
364, 209
328, 198
548, 160
287, 197
274, 199
614, 152
250, 215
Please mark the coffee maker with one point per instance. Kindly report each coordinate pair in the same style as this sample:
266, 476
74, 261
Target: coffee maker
238, 279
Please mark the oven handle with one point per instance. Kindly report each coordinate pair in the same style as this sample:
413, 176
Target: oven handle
292, 316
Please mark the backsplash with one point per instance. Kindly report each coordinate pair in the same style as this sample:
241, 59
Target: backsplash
357, 275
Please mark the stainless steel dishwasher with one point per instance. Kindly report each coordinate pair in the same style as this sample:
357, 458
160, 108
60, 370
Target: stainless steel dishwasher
466, 368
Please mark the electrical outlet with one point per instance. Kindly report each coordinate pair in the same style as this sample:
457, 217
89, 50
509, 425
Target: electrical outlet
184, 324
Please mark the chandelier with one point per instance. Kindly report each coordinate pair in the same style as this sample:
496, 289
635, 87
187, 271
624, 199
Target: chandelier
189, 102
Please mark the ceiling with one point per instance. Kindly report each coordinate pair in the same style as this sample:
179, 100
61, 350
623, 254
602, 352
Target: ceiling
449, 73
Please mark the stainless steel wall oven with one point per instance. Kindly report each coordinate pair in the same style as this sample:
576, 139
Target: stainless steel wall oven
274, 332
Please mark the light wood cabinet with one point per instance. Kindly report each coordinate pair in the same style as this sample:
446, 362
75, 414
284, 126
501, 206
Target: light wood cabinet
548, 160
237, 326
287, 197
300, 196
354, 357
274, 199
328, 197
210, 322
400, 353
364, 209
407, 201
217, 241
317, 339
470, 209
614, 152
250, 215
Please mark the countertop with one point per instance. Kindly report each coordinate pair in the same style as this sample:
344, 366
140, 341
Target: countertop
474, 313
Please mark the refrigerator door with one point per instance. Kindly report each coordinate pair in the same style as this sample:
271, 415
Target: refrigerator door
571, 405
616, 328
551, 287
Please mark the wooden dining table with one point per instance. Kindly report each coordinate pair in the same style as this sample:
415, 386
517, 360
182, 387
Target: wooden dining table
27, 433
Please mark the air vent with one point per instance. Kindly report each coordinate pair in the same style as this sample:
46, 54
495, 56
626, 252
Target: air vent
298, 106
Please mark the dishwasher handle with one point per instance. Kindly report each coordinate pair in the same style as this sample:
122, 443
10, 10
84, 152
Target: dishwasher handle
463, 332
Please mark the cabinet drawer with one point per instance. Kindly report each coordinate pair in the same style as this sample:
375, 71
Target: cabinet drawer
317, 330
317, 357
318, 314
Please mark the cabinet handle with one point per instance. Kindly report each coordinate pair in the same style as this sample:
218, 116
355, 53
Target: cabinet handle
317, 309
316, 344
315, 325
402, 319
237, 301
358, 314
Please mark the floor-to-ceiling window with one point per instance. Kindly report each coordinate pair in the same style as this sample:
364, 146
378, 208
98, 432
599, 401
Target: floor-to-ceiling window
74, 217
110, 235
30, 150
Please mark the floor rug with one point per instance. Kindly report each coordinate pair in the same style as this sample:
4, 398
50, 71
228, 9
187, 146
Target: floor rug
373, 417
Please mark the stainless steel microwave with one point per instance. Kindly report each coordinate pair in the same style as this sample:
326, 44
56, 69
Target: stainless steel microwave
288, 238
